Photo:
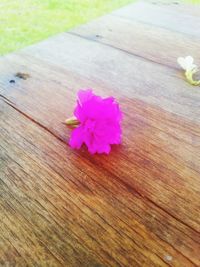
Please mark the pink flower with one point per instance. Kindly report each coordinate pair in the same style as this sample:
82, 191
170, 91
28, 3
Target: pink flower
99, 123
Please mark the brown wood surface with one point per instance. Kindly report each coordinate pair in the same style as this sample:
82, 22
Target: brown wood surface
140, 205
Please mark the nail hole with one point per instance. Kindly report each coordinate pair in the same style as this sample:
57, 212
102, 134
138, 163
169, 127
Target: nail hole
22, 75
12, 81
98, 36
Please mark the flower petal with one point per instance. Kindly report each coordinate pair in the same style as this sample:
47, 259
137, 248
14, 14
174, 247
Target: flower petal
181, 62
189, 60
84, 96
99, 119
76, 139
186, 63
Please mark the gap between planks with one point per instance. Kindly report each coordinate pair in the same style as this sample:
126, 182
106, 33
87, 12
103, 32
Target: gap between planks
12, 105
170, 245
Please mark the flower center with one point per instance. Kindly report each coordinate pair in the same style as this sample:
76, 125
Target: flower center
90, 125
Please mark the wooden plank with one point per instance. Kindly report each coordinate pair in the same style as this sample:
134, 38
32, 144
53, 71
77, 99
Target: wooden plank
29, 206
129, 76
179, 6
156, 44
137, 207
71, 209
162, 16
30, 96
31, 100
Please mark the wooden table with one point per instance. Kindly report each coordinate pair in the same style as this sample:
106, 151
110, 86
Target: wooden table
140, 205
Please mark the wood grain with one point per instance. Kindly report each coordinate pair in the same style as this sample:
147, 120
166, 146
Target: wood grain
53, 168
140, 205
163, 17
138, 77
138, 39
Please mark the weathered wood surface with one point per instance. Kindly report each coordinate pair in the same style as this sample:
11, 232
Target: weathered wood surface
140, 205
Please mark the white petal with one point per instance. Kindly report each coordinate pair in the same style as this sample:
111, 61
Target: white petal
189, 60
182, 62
192, 66
189, 63
186, 63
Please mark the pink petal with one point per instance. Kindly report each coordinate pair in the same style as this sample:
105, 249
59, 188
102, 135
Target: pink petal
84, 96
76, 139
100, 120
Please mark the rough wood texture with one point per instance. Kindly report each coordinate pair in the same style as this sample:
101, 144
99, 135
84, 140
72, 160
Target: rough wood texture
175, 20
140, 39
140, 205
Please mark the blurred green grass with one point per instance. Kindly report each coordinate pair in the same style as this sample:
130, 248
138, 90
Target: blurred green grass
24, 22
